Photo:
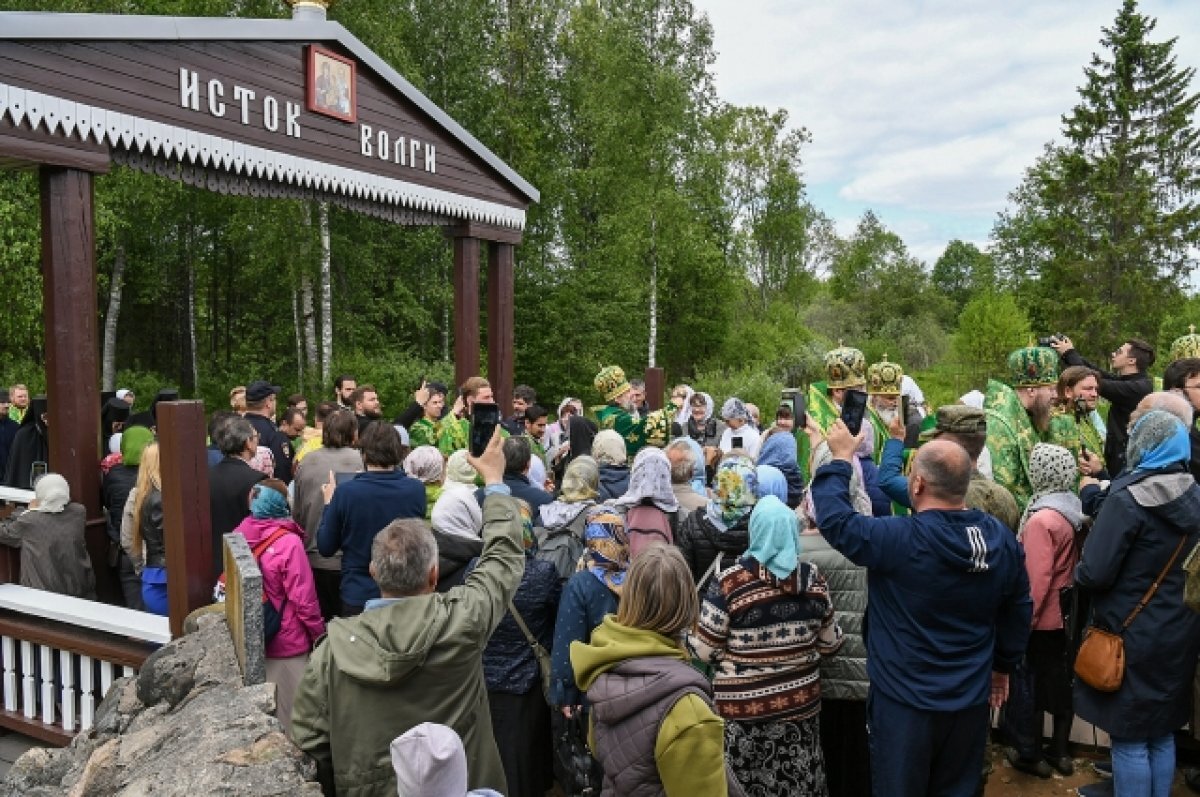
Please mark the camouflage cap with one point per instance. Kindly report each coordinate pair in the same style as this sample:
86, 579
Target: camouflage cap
1033, 366
845, 367
956, 419
883, 378
1186, 346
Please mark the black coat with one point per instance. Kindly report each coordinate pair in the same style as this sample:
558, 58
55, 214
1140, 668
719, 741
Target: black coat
701, 541
281, 447
229, 483
1137, 530
114, 491
8, 432
31, 444
521, 488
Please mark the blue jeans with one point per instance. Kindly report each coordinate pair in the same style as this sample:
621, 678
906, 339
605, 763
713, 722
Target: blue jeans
1143, 767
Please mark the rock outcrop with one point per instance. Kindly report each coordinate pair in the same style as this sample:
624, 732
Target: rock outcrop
184, 726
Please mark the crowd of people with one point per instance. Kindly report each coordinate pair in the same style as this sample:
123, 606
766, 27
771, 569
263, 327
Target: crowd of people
688, 599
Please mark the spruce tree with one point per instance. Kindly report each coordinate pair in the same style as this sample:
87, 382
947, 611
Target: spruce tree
1101, 234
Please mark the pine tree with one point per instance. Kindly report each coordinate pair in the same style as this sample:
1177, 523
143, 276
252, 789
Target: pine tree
1102, 232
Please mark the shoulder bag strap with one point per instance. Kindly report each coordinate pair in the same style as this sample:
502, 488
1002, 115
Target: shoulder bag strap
1154, 587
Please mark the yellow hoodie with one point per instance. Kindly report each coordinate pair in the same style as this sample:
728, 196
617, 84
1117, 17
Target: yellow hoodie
690, 748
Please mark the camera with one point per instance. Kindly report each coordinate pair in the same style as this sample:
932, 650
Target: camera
1050, 340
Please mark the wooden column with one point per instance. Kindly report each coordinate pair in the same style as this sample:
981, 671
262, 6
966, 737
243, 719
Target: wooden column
72, 379
187, 524
466, 308
656, 388
500, 322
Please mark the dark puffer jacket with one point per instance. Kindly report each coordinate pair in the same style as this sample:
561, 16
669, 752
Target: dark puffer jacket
1136, 532
701, 541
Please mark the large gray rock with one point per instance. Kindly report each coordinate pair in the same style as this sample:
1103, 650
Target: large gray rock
184, 726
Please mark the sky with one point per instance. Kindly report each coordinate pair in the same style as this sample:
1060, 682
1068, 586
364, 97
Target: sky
926, 111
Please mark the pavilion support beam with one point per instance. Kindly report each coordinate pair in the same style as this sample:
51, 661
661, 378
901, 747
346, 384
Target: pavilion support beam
187, 525
500, 322
466, 308
72, 379
656, 387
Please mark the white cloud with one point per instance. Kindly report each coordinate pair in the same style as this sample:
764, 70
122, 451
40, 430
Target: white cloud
933, 107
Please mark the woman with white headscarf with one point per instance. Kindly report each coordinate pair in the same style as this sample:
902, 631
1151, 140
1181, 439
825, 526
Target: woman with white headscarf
425, 464
650, 485
457, 511
50, 535
740, 431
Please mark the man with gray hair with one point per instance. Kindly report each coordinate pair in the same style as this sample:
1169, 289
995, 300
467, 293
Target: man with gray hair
414, 655
683, 472
230, 480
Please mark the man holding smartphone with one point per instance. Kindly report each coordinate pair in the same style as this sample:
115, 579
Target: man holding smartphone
845, 369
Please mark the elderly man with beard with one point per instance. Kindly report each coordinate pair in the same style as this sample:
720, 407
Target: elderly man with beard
1018, 417
620, 413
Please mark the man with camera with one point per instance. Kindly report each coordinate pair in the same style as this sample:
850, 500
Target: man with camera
1123, 387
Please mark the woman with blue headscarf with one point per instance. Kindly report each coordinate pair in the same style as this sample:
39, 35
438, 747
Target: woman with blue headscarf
278, 544
779, 451
1150, 519
765, 624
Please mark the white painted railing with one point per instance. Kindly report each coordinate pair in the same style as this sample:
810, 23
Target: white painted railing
60, 656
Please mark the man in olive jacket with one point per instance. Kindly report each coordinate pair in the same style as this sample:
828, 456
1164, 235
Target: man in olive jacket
413, 655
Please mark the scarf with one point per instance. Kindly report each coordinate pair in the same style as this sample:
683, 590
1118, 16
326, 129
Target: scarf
699, 471
708, 408
1052, 475
580, 434
608, 448
685, 411
458, 469
1158, 440
650, 480
775, 537
52, 493
771, 481
779, 451
267, 504
425, 464
581, 480
734, 494
606, 554
133, 440
734, 409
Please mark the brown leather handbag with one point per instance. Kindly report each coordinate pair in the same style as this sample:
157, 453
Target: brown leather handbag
1100, 662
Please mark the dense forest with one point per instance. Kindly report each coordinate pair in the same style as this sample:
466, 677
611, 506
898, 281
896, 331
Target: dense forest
674, 228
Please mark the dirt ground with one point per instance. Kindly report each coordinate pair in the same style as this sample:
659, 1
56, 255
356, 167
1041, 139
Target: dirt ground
1008, 782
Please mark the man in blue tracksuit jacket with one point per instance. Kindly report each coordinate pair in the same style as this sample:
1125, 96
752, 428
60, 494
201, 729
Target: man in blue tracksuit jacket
949, 618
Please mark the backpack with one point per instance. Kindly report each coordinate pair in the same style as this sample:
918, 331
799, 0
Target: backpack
562, 547
646, 525
272, 617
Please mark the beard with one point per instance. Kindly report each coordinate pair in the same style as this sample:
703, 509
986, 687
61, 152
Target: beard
887, 415
1040, 412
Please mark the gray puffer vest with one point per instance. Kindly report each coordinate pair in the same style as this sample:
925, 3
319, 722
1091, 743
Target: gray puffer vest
629, 703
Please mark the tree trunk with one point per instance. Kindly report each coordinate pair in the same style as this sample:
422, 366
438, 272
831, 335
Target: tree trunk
298, 334
326, 299
108, 370
309, 320
446, 314
652, 354
194, 368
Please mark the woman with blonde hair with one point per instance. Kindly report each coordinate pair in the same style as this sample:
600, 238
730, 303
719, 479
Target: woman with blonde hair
142, 531
653, 730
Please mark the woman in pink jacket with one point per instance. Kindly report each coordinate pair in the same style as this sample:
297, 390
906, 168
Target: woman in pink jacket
1048, 531
288, 584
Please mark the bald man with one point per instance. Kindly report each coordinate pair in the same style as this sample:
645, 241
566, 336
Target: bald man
950, 616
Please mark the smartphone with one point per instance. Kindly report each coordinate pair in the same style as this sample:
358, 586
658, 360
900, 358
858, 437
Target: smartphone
800, 411
854, 406
736, 442
484, 420
904, 410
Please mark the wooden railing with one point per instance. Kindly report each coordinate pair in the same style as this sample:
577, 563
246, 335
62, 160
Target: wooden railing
60, 655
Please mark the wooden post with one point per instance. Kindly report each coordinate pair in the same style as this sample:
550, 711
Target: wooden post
187, 524
656, 388
72, 378
466, 308
500, 322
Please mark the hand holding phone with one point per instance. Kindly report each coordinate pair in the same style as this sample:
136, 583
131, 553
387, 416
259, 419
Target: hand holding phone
484, 420
854, 407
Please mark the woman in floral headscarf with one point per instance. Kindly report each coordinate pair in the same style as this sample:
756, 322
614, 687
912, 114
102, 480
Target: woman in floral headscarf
717, 536
1048, 531
591, 593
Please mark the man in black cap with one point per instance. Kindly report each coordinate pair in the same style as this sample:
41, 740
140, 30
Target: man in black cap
260, 411
8, 430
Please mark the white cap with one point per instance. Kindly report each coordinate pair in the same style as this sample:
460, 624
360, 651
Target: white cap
122, 393
430, 762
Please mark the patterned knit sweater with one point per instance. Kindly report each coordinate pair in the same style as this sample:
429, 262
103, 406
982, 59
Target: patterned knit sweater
765, 636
